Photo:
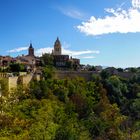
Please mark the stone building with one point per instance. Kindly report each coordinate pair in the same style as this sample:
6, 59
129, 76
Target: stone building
6, 60
30, 60
61, 60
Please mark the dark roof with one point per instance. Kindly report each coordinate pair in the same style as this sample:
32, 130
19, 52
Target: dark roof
31, 46
57, 41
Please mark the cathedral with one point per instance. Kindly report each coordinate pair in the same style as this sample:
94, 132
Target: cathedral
60, 60
57, 47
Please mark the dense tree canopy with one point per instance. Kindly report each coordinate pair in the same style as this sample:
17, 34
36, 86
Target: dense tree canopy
16, 67
106, 108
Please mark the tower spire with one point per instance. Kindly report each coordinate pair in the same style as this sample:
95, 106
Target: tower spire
30, 42
31, 50
57, 47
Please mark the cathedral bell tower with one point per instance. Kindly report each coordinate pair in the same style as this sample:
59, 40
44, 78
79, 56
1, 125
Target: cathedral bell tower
31, 50
57, 47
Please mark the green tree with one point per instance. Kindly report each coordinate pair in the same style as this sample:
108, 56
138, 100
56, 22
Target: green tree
47, 59
17, 67
116, 90
48, 72
105, 74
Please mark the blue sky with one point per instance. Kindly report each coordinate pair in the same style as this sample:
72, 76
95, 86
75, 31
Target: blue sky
99, 32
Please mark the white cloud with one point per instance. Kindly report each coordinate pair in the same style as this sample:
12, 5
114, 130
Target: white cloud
84, 57
66, 51
17, 49
72, 12
66, 45
77, 53
41, 51
87, 57
136, 3
120, 21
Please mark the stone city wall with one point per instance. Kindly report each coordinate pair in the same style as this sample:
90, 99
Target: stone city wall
87, 75
26, 79
13, 81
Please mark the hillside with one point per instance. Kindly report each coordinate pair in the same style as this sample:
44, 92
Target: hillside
105, 108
